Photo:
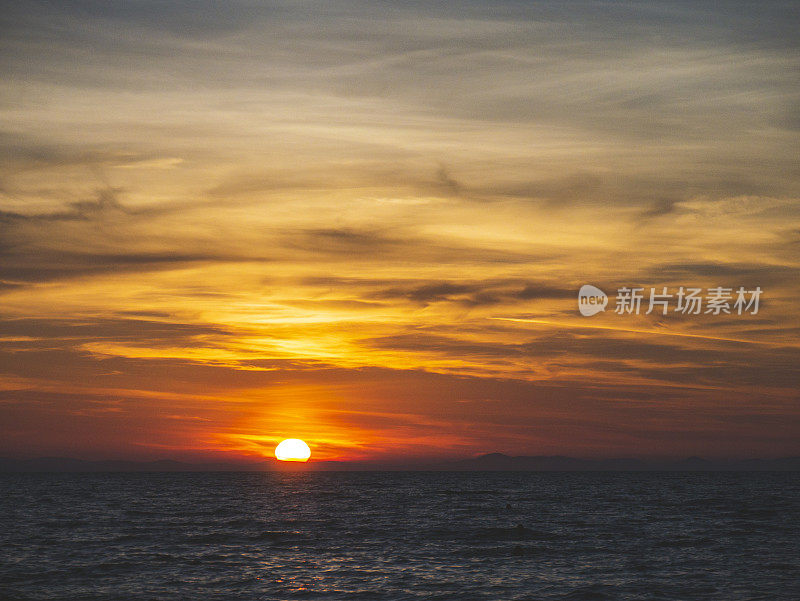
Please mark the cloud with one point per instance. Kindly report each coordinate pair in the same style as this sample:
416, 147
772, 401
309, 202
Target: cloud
366, 245
743, 274
72, 330
473, 293
661, 207
447, 181
106, 201
543, 290
332, 203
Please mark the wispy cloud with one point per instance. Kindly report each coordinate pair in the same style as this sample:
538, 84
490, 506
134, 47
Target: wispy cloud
383, 212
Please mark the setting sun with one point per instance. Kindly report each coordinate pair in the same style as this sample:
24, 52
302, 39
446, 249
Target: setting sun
292, 449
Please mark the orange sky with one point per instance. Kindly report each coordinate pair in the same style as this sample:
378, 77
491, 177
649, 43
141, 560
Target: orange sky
366, 228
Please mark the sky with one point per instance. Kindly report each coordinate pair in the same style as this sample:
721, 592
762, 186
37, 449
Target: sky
365, 224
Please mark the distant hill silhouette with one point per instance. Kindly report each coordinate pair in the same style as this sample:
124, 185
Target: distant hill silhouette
500, 462
488, 462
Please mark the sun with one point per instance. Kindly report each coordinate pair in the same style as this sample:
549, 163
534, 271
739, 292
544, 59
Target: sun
292, 449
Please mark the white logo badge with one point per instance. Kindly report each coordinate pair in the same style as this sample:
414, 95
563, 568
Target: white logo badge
591, 300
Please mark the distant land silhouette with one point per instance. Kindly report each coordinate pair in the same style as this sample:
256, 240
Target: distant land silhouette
488, 462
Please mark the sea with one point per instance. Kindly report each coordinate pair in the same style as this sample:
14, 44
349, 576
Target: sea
376, 536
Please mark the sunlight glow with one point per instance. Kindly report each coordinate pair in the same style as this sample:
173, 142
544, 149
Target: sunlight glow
292, 449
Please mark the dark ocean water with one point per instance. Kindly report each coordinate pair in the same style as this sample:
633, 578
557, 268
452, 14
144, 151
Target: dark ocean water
375, 536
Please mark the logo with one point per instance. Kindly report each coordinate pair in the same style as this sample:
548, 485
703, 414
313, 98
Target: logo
685, 301
591, 300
